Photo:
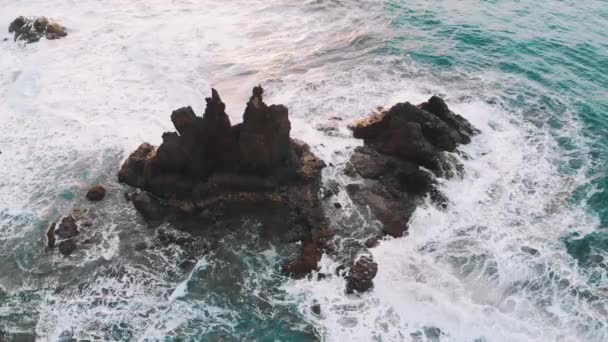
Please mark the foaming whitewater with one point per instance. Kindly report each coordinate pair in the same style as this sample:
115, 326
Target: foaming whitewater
490, 267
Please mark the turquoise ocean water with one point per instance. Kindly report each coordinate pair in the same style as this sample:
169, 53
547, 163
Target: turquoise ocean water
548, 61
532, 75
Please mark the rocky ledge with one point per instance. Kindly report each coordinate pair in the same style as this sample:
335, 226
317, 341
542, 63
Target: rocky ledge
32, 30
210, 171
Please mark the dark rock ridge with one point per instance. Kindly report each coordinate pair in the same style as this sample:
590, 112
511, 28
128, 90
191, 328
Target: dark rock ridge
210, 170
64, 233
32, 30
403, 153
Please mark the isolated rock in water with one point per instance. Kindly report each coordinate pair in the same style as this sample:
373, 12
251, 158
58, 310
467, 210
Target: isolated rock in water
32, 30
251, 170
316, 309
400, 145
361, 275
66, 232
96, 193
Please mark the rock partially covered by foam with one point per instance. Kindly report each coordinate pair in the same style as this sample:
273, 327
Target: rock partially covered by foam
32, 30
208, 168
403, 154
360, 276
65, 233
96, 193
416, 134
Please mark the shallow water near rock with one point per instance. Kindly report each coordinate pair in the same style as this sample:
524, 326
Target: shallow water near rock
530, 75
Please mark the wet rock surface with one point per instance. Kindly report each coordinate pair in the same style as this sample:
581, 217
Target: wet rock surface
402, 157
96, 193
361, 275
65, 233
399, 165
210, 172
32, 30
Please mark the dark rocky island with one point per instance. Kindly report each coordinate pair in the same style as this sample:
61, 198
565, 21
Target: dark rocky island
402, 156
210, 171
212, 174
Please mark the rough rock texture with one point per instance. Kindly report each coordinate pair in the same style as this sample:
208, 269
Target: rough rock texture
32, 30
209, 170
96, 193
398, 166
361, 275
65, 232
150, 208
416, 134
66, 247
403, 153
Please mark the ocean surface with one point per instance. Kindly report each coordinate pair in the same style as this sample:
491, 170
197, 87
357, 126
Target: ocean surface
532, 75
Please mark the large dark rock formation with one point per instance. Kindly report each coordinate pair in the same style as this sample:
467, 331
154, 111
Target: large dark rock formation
32, 30
215, 174
403, 153
211, 171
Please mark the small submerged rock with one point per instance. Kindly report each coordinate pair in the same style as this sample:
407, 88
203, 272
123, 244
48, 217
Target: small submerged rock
96, 193
529, 250
188, 264
32, 30
67, 227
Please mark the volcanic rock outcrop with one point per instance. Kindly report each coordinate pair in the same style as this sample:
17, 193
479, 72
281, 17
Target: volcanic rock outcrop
32, 30
210, 171
403, 153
